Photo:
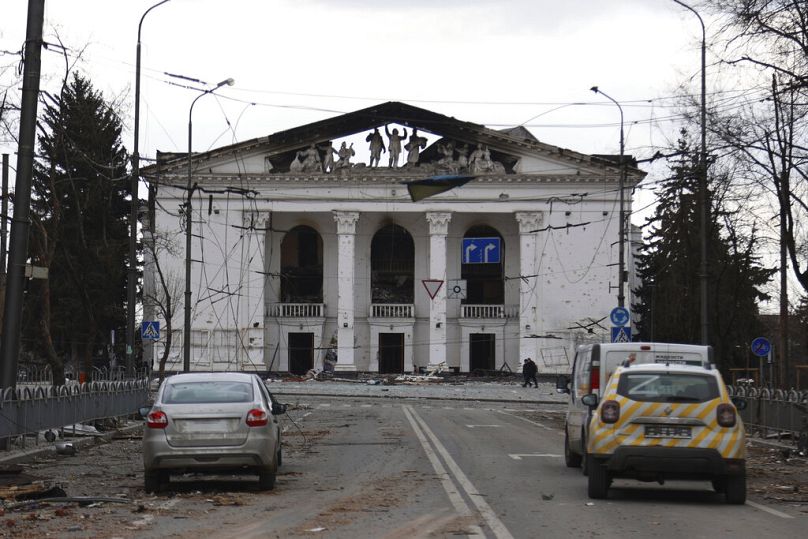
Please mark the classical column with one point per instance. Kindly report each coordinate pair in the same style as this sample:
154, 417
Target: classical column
252, 286
438, 228
529, 222
346, 234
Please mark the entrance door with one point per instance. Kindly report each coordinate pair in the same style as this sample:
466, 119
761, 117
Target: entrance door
483, 355
391, 353
301, 352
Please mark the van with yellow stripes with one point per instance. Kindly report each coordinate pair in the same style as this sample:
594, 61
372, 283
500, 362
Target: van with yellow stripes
657, 422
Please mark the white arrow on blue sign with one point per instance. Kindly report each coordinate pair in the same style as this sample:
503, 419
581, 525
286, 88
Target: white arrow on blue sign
761, 347
481, 251
619, 316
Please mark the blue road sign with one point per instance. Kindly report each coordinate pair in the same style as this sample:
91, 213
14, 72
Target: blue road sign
761, 347
481, 251
621, 334
619, 316
150, 331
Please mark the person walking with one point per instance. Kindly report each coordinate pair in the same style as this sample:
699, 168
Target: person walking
529, 370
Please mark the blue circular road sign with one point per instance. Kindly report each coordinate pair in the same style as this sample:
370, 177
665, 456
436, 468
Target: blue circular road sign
619, 316
761, 347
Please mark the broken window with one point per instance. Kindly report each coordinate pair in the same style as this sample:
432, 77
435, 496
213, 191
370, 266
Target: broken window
392, 266
302, 266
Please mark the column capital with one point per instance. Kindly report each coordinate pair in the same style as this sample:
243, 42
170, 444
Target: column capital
528, 221
438, 221
256, 219
346, 221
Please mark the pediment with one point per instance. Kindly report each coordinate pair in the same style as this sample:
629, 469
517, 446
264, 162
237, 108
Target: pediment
434, 144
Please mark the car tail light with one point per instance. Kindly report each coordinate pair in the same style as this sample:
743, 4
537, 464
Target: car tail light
610, 411
594, 377
257, 418
157, 420
726, 415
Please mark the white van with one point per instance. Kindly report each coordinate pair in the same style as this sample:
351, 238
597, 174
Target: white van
591, 369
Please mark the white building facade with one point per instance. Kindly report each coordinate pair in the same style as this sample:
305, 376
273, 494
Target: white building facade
296, 259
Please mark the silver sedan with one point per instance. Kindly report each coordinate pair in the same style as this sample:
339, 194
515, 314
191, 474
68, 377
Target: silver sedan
212, 422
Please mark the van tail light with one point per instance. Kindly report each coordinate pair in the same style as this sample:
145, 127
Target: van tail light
725, 413
257, 418
594, 378
157, 420
610, 411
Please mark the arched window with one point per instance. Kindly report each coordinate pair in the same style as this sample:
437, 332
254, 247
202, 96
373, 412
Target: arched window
302, 266
392, 266
485, 281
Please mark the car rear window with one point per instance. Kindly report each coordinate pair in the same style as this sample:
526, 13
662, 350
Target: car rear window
208, 392
667, 387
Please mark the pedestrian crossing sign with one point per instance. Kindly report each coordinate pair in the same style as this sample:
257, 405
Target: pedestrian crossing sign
621, 333
150, 331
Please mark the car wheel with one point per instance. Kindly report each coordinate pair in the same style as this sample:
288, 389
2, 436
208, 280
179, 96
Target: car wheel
719, 485
735, 486
598, 484
266, 479
154, 479
572, 460
584, 455
280, 456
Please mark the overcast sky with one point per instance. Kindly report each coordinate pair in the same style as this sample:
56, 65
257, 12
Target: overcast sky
495, 62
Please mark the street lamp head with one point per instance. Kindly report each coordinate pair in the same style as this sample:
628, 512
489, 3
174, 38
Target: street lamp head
594, 89
228, 82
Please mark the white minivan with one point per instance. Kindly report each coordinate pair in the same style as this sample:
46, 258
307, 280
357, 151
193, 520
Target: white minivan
591, 369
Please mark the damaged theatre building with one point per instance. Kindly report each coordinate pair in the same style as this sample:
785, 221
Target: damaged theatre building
300, 251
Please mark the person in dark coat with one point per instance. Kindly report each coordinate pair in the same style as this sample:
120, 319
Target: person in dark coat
529, 370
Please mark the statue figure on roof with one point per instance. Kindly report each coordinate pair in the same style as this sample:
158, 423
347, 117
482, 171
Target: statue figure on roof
345, 153
328, 158
376, 147
297, 163
414, 147
394, 145
446, 151
480, 162
462, 156
311, 159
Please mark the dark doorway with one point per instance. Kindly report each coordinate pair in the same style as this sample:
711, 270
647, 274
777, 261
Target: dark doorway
485, 283
392, 266
301, 352
391, 353
302, 266
483, 353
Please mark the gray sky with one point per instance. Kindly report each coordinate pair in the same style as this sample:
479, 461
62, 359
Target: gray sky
495, 62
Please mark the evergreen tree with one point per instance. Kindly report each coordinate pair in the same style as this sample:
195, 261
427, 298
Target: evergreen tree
668, 265
79, 213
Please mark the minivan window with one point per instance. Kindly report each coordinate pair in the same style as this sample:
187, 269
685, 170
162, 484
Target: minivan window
667, 387
208, 392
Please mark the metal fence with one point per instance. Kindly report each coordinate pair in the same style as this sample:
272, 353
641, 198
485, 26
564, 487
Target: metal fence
774, 413
33, 408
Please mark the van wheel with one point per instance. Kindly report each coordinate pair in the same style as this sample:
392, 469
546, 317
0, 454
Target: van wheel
280, 457
719, 484
572, 460
735, 486
584, 455
598, 484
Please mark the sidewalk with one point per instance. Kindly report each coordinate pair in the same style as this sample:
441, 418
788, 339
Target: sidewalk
497, 391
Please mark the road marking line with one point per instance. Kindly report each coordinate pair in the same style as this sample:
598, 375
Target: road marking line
366, 405
461, 507
769, 510
479, 426
496, 525
545, 427
518, 456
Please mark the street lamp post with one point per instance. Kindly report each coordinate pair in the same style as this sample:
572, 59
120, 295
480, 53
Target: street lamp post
621, 297
131, 282
186, 344
702, 197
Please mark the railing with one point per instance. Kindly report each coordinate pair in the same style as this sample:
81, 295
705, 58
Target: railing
392, 310
297, 310
774, 411
489, 311
31, 410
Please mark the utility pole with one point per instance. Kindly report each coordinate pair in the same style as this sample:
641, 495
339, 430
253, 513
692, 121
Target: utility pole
3, 238
18, 251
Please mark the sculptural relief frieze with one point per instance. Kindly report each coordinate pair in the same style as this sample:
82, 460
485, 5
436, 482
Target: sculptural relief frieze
446, 157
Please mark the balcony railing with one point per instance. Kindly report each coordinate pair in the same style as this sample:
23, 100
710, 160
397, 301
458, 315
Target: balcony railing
392, 310
297, 310
489, 311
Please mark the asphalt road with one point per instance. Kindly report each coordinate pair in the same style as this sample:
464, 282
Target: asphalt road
393, 468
